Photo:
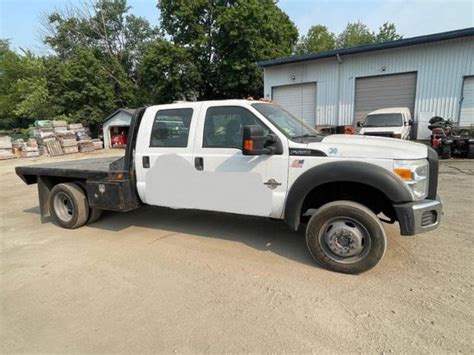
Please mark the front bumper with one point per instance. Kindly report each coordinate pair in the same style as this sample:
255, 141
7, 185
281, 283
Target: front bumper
419, 217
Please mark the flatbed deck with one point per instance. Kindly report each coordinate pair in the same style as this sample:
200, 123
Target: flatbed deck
97, 169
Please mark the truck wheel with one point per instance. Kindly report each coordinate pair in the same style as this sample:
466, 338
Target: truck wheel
345, 236
445, 151
94, 215
68, 205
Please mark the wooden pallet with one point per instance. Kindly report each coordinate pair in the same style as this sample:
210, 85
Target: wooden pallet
54, 148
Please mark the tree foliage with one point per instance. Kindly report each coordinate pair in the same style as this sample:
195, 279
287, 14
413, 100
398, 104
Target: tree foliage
355, 34
23, 87
80, 87
318, 39
387, 32
358, 34
167, 73
108, 30
226, 38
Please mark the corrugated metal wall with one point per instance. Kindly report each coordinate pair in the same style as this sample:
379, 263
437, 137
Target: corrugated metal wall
440, 68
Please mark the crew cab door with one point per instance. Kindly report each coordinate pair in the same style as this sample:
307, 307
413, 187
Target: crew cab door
164, 155
225, 179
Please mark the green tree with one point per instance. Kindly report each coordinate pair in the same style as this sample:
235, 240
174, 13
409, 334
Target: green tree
247, 32
225, 38
387, 32
318, 39
355, 34
80, 87
116, 38
23, 87
167, 73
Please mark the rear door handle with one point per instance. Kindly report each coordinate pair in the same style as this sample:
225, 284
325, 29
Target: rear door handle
146, 162
199, 163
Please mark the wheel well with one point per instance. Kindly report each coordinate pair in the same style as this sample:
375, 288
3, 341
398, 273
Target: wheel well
366, 195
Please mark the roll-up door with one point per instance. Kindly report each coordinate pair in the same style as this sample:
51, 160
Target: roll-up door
298, 99
466, 118
373, 93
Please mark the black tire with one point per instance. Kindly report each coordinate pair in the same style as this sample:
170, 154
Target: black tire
68, 206
355, 225
470, 151
445, 151
94, 215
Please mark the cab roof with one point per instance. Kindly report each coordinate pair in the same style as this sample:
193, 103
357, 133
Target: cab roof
214, 102
390, 110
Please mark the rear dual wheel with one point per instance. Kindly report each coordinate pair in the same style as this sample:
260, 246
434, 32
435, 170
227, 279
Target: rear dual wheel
345, 236
69, 207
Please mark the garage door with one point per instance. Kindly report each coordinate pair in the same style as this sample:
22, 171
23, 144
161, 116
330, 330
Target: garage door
300, 100
466, 117
385, 91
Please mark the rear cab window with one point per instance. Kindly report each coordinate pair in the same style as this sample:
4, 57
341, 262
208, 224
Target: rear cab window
171, 128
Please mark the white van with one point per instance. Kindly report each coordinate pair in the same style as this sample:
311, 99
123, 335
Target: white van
394, 122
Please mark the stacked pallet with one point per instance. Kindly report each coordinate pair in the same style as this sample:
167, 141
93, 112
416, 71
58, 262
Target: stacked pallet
30, 148
84, 140
6, 148
68, 142
43, 131
58, 138
98, 144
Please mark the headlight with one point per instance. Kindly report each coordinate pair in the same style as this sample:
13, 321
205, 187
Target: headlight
415, 173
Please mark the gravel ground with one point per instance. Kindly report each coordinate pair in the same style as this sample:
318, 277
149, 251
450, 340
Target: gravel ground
186, 281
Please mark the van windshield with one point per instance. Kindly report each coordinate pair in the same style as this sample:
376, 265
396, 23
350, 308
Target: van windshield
383, 120
288, 124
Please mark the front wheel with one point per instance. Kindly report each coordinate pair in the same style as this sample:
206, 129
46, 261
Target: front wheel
345, 236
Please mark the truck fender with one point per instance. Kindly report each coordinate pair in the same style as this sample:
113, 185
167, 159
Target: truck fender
343, 171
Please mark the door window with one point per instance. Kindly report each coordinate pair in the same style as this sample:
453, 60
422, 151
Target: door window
171, 128
223, 127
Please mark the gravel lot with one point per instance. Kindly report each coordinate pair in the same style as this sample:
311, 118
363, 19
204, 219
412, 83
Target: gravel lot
185, 281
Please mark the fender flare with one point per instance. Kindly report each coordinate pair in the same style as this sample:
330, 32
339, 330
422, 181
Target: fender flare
343, 171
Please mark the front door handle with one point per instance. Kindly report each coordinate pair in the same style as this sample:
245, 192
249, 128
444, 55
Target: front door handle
146, 162
199, 163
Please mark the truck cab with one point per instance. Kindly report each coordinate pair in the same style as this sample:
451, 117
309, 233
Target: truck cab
254, 158
394, 122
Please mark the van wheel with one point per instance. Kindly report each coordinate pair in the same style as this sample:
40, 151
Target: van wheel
68, 205
345, 236
94, 215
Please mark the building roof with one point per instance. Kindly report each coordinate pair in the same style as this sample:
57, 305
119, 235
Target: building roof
466, 32
129, 111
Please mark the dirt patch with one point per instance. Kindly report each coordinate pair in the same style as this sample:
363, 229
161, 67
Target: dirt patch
155, 279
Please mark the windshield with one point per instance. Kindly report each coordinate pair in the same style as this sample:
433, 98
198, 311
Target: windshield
383, 120
288, 124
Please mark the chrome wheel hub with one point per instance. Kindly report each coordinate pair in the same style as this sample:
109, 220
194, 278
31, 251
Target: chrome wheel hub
63, 206
344, 239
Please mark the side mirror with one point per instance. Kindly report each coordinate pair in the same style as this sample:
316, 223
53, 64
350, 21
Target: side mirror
253, 141
359, 124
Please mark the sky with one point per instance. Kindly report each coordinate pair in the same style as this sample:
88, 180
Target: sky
20, 20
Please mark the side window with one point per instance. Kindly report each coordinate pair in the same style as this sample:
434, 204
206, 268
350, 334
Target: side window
171, 128
223, 127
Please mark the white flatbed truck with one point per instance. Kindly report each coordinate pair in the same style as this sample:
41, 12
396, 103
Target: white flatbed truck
254, 158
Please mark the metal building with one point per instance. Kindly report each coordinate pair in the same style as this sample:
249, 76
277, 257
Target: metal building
431, 75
